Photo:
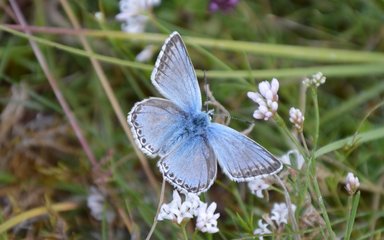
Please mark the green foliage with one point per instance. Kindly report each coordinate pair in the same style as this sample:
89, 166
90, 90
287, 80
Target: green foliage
43, 165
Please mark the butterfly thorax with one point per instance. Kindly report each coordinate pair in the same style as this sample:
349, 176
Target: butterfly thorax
197, 124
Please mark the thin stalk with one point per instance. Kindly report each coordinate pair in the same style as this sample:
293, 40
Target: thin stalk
312, 165
280, 122
301, 134
353, 202
111, 96
161, 200
184, 231
362, 68
320, 200
295, 227
52, 81
317, 117
286, 51
36, 212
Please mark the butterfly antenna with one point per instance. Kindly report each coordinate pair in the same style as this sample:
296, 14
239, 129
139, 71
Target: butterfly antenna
206, 86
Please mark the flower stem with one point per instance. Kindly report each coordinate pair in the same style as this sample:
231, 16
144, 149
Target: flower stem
280, 122
183, 229
353, 202
304, 142
321, 204
317, 117
312, 166
161, 200
289, 206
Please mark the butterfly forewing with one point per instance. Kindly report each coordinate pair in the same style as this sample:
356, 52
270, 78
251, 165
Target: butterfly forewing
174, 75
155, 122
241, 158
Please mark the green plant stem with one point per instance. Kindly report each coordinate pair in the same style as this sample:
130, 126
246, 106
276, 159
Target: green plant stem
317, 117
161, 200
286, 51
301, 135
55, 87
110, 94
184, 230
36, 212
322, 207
280, 122
312, 165
353, 202
291, 214
360, 68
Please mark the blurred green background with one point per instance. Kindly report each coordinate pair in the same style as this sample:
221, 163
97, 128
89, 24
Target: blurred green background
43, 164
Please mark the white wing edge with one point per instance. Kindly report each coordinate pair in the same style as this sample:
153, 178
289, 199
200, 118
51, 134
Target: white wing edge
179, 188
132, 127
158, 61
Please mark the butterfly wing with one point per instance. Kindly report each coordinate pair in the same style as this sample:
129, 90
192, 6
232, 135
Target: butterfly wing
241, 158
192, 166
155, 124
174, 75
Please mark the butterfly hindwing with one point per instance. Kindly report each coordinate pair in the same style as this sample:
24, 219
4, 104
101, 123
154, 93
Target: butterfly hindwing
174, 75
155, 122
191, 166
241, 158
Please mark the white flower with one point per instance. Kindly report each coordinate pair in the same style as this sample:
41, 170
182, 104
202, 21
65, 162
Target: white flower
133, 14
99, 16
352, 183
146, 54
298, 160
316, 80
136, 24
266, 98
262, 229
257, 186
207, 219
175, 210
280, 213
296, 117
98, 206
194, 203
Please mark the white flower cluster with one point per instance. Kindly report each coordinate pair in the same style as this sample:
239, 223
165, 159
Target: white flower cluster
352, 183
177, 211
296, 117
266, 98
99, 207
297, 162
316, 80
262, 229
133, 14
257, 186
279, 215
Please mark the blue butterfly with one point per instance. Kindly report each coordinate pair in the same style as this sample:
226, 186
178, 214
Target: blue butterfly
188, 143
